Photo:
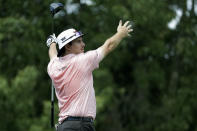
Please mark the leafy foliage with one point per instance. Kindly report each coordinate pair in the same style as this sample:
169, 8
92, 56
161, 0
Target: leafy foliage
147, 83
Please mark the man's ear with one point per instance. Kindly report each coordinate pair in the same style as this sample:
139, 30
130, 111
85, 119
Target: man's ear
68, 47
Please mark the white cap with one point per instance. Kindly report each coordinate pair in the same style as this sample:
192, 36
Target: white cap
67, 36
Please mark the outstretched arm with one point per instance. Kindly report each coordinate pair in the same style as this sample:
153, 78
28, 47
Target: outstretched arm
112, 42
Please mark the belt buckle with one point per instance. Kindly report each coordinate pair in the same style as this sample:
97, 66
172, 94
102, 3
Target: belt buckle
89, 119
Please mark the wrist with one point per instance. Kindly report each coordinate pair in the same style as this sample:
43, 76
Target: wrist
52, 44
120, 34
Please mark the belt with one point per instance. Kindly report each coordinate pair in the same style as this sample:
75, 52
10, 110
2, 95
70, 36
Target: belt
74, 118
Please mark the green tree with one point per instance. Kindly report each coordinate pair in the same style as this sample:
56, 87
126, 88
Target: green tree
147, 83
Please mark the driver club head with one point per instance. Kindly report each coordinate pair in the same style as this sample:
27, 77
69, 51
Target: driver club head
55, 7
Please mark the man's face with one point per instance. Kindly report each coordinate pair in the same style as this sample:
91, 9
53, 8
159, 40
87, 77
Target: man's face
77, 46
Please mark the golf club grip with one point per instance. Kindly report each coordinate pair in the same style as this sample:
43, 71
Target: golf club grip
52, 114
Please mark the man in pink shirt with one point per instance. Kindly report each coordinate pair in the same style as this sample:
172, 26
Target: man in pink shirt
71, 72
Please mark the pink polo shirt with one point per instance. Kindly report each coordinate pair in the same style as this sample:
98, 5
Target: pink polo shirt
73, 82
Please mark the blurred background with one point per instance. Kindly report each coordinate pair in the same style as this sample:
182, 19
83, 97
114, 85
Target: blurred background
147, 84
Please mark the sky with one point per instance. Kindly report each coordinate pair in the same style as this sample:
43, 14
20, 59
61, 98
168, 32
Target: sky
173, 23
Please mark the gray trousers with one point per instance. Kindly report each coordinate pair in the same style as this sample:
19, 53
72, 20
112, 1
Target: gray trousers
76, 126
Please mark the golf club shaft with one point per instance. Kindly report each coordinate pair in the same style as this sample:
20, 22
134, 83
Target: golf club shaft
52, 28
52, 105
54, 8
52, 88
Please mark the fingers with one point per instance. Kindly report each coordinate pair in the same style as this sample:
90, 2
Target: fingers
130, 30
120, 22
129, 27
126, 23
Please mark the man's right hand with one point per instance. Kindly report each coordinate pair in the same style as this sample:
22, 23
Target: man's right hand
125, 29
51, 39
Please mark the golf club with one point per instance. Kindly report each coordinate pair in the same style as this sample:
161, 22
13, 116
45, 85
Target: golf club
54, 8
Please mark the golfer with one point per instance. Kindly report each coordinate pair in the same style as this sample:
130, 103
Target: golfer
71, 72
